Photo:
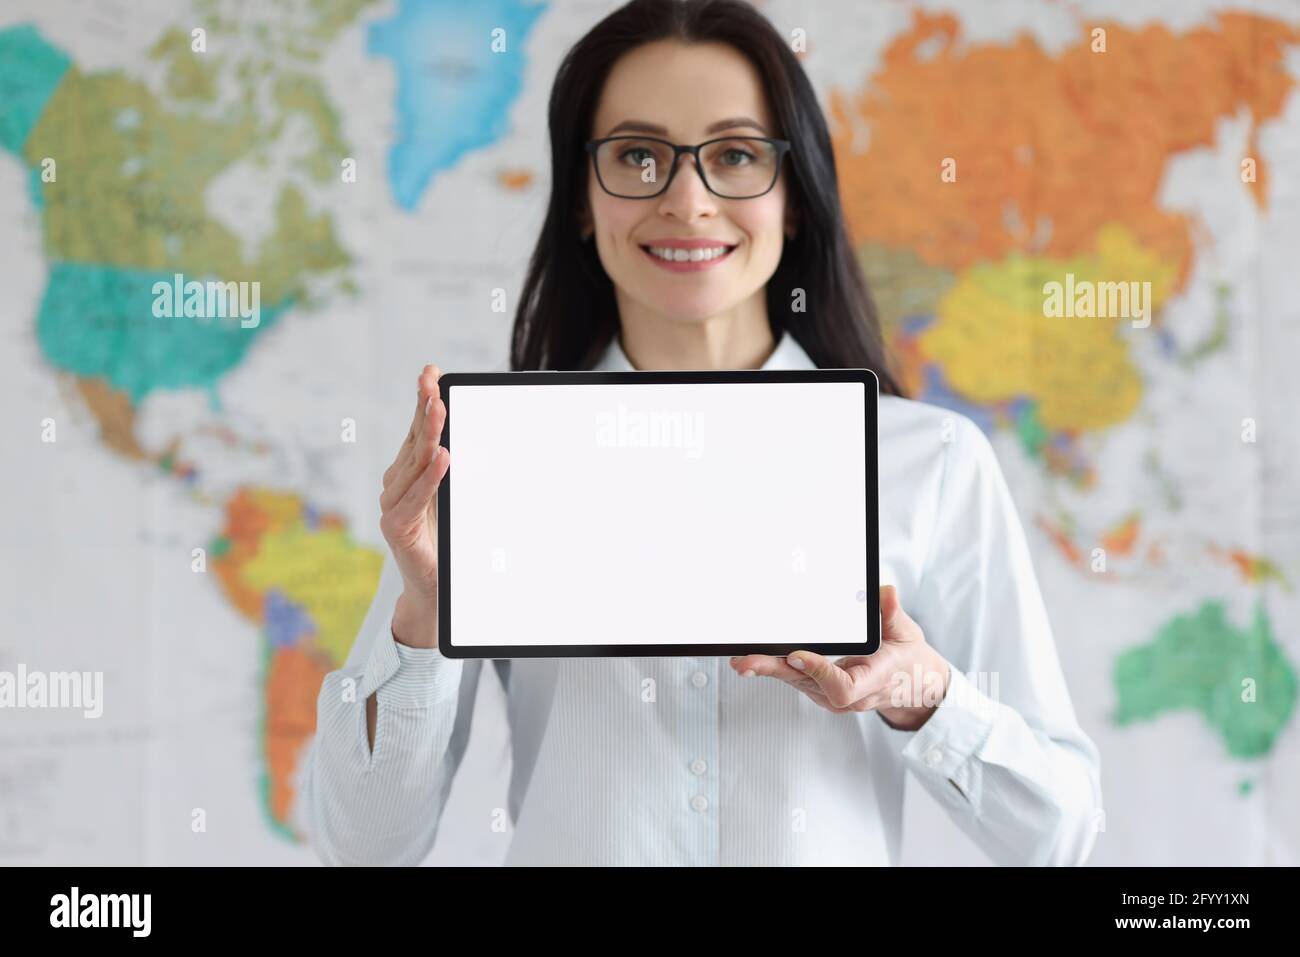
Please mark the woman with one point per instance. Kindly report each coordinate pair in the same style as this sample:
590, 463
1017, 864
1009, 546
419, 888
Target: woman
727, 255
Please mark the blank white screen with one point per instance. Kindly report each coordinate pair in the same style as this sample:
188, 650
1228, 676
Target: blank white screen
735, 514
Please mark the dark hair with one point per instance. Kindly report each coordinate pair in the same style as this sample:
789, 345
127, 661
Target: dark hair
567, 313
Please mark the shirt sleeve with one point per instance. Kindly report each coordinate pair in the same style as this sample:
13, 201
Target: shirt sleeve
1003, 754
379, 807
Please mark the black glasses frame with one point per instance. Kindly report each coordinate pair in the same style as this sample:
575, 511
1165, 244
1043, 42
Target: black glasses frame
782, 147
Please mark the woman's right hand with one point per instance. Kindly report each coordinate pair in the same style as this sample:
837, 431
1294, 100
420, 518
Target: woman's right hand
410, 520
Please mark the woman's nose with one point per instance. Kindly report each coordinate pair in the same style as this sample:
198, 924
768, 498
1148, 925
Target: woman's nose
686, 196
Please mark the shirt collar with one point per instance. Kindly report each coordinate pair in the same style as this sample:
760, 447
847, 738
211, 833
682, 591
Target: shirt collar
788, 354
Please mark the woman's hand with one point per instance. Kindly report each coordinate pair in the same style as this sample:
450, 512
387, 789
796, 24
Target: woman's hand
410, 519
861, 683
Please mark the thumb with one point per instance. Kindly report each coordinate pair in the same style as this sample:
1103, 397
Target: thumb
895, 623
836, 683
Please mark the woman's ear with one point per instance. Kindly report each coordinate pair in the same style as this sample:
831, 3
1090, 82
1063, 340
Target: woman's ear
584, 224
791, 221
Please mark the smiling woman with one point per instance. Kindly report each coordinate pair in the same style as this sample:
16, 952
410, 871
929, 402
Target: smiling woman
694, 222
694, 213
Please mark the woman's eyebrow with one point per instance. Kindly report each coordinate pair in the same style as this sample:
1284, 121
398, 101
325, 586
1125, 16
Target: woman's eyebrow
641, 126
733, 122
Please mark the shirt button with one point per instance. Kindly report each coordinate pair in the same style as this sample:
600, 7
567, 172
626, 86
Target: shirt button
699, 679
700, 802
699, 766
934, 757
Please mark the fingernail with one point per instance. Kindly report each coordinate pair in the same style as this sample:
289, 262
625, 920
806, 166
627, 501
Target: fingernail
428, 405
794, 662
748, 673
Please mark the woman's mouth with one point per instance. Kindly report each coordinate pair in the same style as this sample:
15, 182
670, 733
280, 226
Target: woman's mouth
677, 259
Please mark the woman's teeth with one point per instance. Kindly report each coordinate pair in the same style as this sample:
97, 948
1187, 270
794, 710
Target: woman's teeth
688, 255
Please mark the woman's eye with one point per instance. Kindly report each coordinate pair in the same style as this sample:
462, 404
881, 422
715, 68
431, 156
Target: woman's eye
735, 152
627, 153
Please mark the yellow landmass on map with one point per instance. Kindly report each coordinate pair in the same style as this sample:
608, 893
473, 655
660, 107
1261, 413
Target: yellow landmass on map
995, 342
322, 570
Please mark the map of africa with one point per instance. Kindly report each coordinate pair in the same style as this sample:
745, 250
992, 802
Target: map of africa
198, 499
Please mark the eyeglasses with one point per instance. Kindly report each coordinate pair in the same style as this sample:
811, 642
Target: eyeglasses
733, 167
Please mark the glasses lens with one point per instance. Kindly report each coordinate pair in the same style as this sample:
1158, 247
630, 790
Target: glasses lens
739, 168
633, 167
735, 168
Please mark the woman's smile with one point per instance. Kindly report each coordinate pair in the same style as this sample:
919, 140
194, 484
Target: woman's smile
687, 255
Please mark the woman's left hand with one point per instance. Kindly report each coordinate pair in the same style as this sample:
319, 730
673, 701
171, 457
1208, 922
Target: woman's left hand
862, 683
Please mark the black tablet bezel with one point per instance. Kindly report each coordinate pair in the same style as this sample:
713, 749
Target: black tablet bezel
871, 396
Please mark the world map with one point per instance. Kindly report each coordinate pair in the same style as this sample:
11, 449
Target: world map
207, 519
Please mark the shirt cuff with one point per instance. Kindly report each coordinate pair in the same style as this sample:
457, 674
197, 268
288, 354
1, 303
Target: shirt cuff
409, 677
953, 734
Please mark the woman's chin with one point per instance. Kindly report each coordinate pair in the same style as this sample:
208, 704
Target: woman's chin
692, 308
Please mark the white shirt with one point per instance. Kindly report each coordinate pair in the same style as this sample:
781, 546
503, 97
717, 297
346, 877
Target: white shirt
725, 770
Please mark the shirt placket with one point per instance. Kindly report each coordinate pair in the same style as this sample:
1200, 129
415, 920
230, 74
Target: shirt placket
698, 759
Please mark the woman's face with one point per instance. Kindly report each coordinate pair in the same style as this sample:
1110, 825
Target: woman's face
686, 95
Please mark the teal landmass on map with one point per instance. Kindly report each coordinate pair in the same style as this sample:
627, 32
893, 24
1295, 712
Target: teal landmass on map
124, 207
1202, 662
128, 210
98, 321
30, 71
453, 90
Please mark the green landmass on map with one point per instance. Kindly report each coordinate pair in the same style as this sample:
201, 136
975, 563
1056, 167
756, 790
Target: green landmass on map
1238, 679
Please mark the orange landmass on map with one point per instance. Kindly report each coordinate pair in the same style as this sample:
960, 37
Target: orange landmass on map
515, 179
1049, 146
1121, 539
274, 541
1252, 568
293, 682
115, 414
252, 513
1061, 539
246, 523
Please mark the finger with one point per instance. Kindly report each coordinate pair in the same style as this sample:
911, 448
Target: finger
768, 665
403, 458
411, 459
896, 624
741, 662
773, 666
409, 512
425, 446
841, 686
868, 702
426, 385
822, 701
423, 388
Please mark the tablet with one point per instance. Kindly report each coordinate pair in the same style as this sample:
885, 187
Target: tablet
659, 513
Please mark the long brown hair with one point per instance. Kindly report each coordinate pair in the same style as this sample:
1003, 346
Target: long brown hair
567, 312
